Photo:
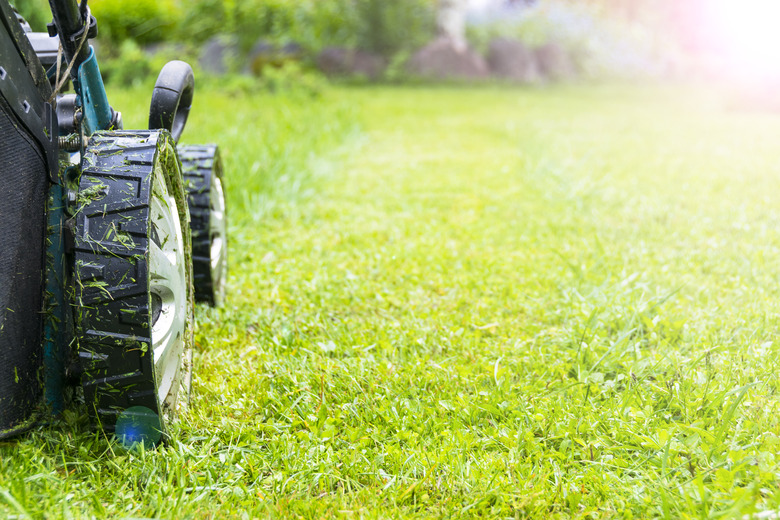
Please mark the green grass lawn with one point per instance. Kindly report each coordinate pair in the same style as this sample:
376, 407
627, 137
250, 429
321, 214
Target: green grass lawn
455, 302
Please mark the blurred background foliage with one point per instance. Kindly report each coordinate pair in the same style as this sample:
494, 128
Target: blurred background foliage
606, 38
374, 25
35, 11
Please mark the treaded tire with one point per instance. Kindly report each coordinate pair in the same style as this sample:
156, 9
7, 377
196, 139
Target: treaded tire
203, 180
134, 292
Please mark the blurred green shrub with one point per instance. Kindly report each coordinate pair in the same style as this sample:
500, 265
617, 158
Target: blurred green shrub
291, 77
278, 21
330, 22
387, 28
36, 12
381, 26
130, 67
145, 21
392, 29
202, 19
373, 25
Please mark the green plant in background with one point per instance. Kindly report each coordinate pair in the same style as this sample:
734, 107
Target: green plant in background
277, 21
601, 43
387, 28
202, 19
130, 66
293, 79
391, 29
36, 12
145, 21
329, 23
373, 25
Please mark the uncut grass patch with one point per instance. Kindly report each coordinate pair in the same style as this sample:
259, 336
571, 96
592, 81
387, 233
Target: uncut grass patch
483, 301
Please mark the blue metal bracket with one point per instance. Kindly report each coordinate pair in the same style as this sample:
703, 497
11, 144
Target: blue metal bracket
94, 102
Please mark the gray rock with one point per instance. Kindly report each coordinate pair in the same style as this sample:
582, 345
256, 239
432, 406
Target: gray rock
368, 65
334, 61
511, 59
441, 59
292, 49
263, 53
266, 54
218, 55
555, 62
340, 61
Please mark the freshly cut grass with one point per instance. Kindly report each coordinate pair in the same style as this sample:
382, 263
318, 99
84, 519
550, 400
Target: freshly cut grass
508, 303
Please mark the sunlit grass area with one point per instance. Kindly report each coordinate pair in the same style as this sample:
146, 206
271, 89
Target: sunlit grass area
465, 301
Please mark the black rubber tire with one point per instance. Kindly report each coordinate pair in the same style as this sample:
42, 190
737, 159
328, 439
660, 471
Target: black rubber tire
172, 98
114, 307
202, 167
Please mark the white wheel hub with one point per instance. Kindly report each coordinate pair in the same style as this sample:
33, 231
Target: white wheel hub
167, 277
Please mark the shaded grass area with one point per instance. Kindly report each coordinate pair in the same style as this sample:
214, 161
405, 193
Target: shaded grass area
491, 302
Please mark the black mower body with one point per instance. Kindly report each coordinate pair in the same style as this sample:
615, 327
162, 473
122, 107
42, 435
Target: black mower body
28, 163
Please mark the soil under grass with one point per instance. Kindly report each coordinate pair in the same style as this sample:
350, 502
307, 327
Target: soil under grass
466, 301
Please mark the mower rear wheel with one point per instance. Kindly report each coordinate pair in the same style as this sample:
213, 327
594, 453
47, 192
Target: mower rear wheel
134, 292
202, 170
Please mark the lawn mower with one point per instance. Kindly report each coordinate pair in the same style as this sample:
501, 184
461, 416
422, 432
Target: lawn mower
109, 236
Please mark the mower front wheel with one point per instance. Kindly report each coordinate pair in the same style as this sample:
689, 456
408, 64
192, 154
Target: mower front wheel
134, 292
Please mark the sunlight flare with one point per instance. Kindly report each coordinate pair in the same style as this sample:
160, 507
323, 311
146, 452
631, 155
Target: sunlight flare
748, 33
